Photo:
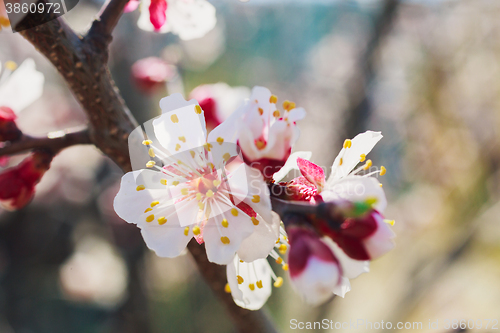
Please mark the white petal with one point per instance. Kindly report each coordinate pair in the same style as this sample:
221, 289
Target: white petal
296, 114
166, 240
22, 87
356, 188
342, 288
181, 129
258, 270
361, 144
350, 268
380, 242
260, 243
228, 130
174, 102
316, 283
291, 164
239, 228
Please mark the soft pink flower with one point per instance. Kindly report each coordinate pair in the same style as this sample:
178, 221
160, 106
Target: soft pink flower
151, 73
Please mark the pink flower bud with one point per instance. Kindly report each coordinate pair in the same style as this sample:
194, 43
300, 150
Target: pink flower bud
8, 127
364, 238
151, 73
158, 13
17, 184
314, 270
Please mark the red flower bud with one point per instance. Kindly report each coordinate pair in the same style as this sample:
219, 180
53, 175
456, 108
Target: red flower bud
17, 184
8, 127
151, 73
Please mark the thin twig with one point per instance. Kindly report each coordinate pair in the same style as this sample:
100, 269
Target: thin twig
54, 141
105, 23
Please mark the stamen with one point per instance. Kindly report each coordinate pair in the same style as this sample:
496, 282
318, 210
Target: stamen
282, 248
341, 161
285, 267
391, 222
174, 118
140, 188
163, 181
196, 230
279, 282
175, 182
150, 218
147, 142
259, 284
368, 165
177, 147
347, 143
226, 157
184, 191
216, 182
273, 99
279, 260
148, 210
182, 138
256, 199
383, 170
225, 240
261, 112
255, 221
286, 104
10, 65
224, 223
251, 286
197, 109
234, 211
198, 196
240, 279
276, 114
362, 157
154, 203
209, 194
186, 231
150, 164
227, 289
162, 220
151, 152
220, 140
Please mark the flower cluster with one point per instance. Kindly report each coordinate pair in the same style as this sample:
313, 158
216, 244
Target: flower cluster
214, 187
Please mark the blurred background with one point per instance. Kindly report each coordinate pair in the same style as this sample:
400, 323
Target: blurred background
425, 73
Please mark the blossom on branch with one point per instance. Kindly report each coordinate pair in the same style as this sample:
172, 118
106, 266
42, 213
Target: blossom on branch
264, 133
189, 19
17, 184
150, 74
192, 185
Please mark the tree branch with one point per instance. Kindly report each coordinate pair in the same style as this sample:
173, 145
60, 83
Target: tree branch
54, 142
106, 21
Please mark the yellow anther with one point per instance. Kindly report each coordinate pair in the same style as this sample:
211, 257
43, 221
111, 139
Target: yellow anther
151, 152
368, 165
383, 170
282, 248
226, 157
192, 153
341, 161
285, 267
380, 184
148, 210
140, 188
240, 279
186, 231
371, 201
224, 223
241, 260
259, 284
216, 182
225, 240
279, 282
163, 181
362, 157
208, 146
391, 222
177, 147
261, 111
278, 241
154, 203
197, 109
255, 221
184, 191
347, 143
150, 164
174, 118
201, 205
150, 218
10, 65
279, 260
256, 199
291, 106
209, 194
260, 144
198, 196
234, 211
251, 286
196, 230
220, 140
273, 99
182, 138
147, 142
227, 289
4, 22
211, 165
276, 114
286, 105
162, 220
175, 182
